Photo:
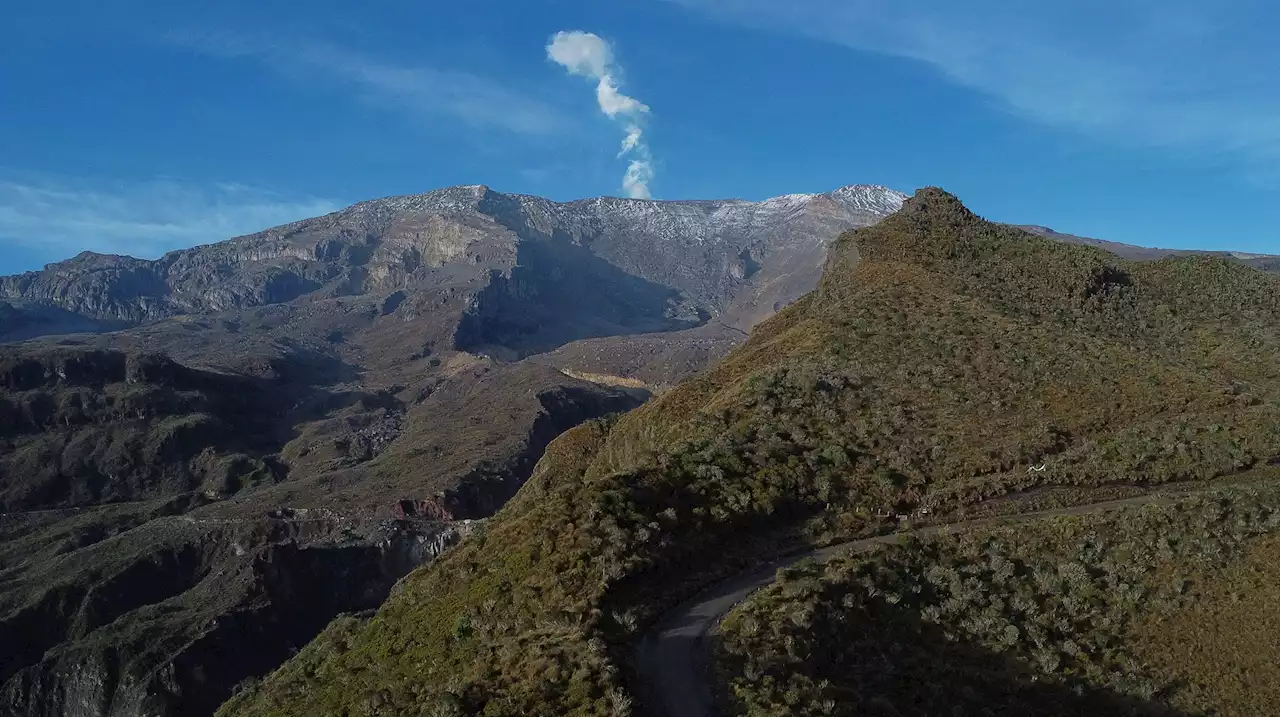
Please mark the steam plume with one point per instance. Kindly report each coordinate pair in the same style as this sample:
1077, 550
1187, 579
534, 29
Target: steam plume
588, 55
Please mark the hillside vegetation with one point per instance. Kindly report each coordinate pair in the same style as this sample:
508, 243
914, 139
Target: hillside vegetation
1156, 611
941, 359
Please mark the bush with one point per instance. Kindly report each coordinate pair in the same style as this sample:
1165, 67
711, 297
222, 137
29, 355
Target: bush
1052, 604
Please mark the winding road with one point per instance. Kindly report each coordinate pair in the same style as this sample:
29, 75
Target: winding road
674, 657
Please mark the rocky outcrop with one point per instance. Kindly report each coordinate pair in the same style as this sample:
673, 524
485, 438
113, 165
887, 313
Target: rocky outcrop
560, 292
486, 488
86, 426
130, 657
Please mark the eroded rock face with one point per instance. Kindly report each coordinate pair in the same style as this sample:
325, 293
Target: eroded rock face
117, 600
285, 578
701, 254
87, 426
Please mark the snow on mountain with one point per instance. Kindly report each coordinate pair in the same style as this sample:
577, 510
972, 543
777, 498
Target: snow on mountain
710, 251
688, 221
869, 198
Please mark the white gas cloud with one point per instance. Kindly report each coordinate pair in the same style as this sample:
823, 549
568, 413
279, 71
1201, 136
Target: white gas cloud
589, 55
632, 140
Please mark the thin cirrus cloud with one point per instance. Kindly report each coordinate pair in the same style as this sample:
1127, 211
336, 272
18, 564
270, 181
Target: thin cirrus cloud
589, 55
1183, 74
145, 219
427, 94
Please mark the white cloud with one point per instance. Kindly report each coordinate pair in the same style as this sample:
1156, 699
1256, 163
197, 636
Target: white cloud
588, 55
427, 93
1186, 74
632, 140
144, 219
582, 53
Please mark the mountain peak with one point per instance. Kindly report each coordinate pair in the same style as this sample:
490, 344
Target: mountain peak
850, 189
88, 259
868, 198
935, 200
932, 228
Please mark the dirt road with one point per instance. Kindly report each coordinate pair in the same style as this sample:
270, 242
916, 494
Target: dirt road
674, 658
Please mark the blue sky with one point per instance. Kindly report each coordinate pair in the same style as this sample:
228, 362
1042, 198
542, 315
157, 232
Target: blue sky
139, 126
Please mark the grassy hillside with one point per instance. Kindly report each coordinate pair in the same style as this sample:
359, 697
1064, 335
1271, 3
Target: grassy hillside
940, 359
1161, 610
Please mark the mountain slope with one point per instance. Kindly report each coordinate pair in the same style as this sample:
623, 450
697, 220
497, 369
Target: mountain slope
657, 262
942, 361
320, 407
169, 532
1163, 609
334, 398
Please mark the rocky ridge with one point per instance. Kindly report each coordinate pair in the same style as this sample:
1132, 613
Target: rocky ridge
702, 249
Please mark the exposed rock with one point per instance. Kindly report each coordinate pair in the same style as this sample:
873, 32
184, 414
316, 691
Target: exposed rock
162, 607
157, 637
651, 262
